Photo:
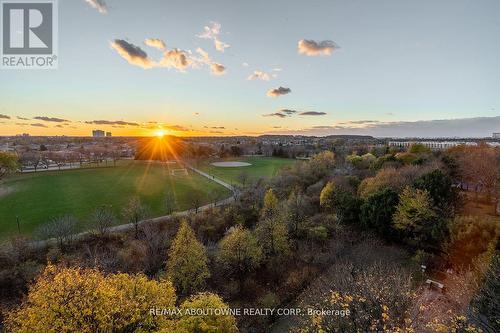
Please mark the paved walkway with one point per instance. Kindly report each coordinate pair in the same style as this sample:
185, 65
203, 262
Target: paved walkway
212, 178
131, 226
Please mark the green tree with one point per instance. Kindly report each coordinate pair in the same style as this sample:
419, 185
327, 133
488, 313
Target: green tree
417, 220
348, 206
340, 201
239, 253
361, 162
378, 209
8, 163
439, 186
418, 148
187, 261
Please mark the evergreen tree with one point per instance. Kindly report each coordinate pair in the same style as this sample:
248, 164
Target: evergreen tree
378, 209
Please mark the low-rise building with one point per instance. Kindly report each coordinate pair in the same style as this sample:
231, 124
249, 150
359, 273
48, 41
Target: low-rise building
434, 145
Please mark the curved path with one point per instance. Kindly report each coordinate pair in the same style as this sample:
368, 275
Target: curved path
131, 226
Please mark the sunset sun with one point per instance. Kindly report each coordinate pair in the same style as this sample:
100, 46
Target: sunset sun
160, 133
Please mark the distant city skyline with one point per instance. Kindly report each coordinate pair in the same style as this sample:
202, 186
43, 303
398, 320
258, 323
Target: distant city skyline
198, 68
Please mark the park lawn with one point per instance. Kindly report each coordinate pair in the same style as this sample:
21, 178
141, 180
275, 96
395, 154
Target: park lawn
35, 198
261, 167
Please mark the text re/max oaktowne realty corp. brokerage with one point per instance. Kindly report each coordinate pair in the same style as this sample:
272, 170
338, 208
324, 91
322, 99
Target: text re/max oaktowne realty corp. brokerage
29, 34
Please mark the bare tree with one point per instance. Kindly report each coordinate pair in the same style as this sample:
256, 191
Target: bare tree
243, 178
214, 196
480, 166
102, 219
196, 201
170, 203
30, 158
134, 212
156, 245
61, 228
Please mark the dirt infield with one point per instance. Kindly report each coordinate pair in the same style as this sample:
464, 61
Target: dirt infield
230, 164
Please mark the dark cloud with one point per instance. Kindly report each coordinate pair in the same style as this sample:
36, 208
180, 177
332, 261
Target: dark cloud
276, 114
288, 111
324, 127
132, 53
108, 122
22, 118
278, 92
359, 122
313, 48
3, 116
312, 113
60, 126
51, 119
38, 125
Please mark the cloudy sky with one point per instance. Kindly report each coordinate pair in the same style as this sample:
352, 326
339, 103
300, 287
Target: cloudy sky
385, 68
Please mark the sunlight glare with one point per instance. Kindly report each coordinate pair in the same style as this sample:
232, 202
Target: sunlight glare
160, 133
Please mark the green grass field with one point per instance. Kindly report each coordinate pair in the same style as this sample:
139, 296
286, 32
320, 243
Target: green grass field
260, 167
37, 197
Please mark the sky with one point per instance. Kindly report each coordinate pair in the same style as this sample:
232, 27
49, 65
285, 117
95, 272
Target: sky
189, 68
